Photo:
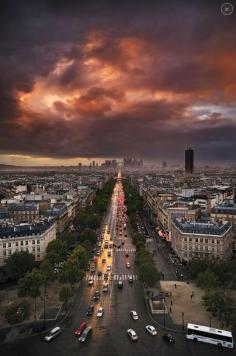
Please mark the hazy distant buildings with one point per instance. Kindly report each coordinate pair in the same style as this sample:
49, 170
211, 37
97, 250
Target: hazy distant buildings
132, 162
109, 163
164, 164
189, 160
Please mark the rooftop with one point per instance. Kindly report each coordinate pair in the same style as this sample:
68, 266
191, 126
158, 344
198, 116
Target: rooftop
201, 228
12, 231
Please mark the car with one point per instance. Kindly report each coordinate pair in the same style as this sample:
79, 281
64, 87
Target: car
130, 279
109, 254
96, 295
99, 244
127, 264
103, 260
79, 330
99, 273
132, 334
98, 253
168, 338
108, 268
53, 333
90, 281
151, 330
90, 309
126, 255
120, 284
100, 312
105, 287
106, 276
85, 334
93, 269
134, 315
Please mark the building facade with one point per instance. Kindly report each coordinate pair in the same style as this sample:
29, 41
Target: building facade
201, 240
33, 238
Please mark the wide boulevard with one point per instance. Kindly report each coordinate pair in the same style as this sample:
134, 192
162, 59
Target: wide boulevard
109, 333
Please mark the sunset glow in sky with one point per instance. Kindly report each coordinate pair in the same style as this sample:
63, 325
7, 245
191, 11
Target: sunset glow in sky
109, 79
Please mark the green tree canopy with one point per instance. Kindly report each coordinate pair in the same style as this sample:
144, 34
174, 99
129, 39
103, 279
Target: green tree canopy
68, 238
149, 274
19, 263
65, 294
207, 279
71, 273
56, 251
88, 235
29, 285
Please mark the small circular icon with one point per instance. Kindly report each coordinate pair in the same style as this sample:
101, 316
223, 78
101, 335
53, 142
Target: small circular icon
227, 8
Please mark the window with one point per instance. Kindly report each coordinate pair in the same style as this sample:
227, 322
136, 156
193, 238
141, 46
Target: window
38, 241
196, 240
206, 241
190, 239
213, 241
16, 243
26, 242
33, 242
9, 244
21, 243
4, 253
4, 245
201, 240
38, 256
38, 249
33, 249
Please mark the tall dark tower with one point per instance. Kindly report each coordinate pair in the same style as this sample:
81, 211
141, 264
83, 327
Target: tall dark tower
189, 160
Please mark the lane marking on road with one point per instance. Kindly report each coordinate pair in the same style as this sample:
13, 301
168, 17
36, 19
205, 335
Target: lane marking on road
125, 250
116, 277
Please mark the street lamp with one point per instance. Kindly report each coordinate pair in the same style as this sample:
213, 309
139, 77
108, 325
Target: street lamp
183, 320
164, 315
44, 306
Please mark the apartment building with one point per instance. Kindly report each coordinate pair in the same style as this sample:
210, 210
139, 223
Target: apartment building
201, 240
33, 238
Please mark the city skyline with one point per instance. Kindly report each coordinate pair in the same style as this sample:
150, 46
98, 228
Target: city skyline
84, 82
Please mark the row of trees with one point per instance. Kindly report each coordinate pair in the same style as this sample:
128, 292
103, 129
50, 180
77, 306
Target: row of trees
59, 263
148, 273
210, 272
133, 201
217, 278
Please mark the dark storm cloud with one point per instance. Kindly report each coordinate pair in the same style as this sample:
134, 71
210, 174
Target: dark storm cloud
178, 47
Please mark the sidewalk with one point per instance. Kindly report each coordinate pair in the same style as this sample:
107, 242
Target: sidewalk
35, 327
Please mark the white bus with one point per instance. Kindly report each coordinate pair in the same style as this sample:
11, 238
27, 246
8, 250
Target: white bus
221, 338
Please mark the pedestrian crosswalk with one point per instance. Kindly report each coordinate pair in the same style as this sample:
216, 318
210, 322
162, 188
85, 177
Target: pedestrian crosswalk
114, 277
126, 250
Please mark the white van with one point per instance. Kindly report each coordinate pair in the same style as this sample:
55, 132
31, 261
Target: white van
53, 333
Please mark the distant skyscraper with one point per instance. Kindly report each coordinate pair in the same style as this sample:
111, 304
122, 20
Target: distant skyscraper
93, 163
189, 160
164, 164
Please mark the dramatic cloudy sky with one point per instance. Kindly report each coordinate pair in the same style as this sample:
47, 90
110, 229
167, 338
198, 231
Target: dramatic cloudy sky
114, 78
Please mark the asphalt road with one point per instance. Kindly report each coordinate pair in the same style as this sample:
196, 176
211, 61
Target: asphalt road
109, 333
